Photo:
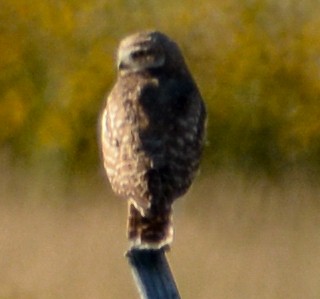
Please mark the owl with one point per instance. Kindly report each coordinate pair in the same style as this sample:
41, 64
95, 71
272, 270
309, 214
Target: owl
152, 134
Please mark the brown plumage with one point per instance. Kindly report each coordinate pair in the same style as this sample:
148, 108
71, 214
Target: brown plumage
152, 131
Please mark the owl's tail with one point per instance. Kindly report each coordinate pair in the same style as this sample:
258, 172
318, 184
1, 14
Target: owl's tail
151, 231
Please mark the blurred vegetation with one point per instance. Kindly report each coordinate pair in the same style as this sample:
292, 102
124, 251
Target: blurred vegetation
257, 64
233, 240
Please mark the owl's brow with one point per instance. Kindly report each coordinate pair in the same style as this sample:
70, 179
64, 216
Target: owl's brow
143, 52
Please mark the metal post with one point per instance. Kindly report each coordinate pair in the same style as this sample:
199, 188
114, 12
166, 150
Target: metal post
152, 274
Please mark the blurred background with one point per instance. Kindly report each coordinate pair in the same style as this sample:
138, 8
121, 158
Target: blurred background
249, 228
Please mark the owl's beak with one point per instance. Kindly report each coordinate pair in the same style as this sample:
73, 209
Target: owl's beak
121, 65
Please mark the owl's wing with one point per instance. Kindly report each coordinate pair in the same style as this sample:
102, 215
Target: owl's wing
174, 138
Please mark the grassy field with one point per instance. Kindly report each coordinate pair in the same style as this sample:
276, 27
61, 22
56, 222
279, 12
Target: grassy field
235, 238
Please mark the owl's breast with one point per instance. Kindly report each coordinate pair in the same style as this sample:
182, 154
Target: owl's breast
125, 161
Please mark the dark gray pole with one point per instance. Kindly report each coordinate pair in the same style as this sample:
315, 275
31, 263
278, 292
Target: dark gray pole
152, 274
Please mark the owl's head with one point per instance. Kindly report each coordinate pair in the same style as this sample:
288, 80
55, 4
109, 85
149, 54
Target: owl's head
147, 50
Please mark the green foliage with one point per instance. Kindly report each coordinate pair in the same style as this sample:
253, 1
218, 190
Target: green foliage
256, 63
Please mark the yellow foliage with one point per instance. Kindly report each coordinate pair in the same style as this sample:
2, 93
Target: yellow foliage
12, 114
256, 63
54, 132
10, 50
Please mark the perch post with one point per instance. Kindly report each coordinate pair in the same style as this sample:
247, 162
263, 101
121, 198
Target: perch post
152, 273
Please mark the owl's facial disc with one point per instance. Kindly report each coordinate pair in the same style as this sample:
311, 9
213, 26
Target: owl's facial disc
141, 56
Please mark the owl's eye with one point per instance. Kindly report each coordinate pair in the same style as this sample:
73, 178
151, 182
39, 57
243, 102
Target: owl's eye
142, 53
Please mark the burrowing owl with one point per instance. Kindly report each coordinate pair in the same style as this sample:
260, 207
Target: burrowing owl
152, 134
